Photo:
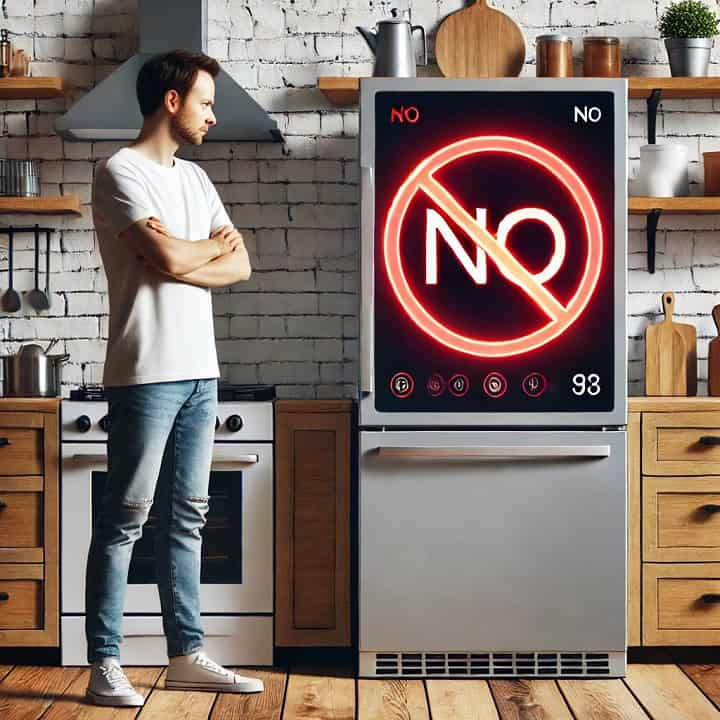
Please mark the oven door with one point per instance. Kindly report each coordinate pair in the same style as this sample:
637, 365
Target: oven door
491, 542
237, 551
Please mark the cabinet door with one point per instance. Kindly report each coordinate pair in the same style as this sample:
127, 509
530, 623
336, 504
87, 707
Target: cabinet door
29, 537
312, 523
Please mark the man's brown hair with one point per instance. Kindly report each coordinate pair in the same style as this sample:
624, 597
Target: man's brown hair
175, 70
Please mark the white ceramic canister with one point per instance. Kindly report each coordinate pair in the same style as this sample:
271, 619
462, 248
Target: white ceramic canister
663, 171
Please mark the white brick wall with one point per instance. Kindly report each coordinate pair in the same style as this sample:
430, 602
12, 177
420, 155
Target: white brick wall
295, 322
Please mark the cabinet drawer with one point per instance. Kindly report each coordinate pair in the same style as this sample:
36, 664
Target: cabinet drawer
21, 597
681, 519
682, 604
21, 450
681, 443
21, 519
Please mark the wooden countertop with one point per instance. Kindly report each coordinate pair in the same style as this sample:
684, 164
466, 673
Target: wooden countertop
36, 404
673, 404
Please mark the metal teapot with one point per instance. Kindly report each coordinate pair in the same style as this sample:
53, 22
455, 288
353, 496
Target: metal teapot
393, 48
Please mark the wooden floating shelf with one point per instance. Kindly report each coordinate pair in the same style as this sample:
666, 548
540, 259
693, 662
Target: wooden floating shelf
20, 88
643, 205
345, 91
41, 205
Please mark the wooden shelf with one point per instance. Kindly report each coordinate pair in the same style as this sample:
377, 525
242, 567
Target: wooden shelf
19, 88
41, 205
344, 91
340, 91
642, 205
675, 87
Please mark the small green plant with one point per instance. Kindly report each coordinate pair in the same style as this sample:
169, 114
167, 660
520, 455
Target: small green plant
688, 19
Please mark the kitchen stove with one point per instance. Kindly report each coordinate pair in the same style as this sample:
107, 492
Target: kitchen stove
236, 589
492, 377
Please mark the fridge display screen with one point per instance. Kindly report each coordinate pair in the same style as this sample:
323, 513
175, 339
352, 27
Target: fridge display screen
493, 258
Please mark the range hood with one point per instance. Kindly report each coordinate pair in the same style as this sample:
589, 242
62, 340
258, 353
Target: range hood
110, 110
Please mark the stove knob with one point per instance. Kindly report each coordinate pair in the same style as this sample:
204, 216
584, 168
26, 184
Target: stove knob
217, 422
83, 423
104, 423
234, 423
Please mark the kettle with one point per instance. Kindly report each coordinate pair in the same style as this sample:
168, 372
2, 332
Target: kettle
31, 372
392, 46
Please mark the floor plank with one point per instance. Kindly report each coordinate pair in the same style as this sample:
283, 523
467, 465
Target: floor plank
266, 705
72, 705
28, 690
529, 700
319, 697
392, 700
176, 704
461, 700
601, 700
707, 678
669, 694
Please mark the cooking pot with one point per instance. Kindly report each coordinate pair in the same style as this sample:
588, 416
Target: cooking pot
31, 372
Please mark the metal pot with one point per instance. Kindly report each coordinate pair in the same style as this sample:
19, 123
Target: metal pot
689, 57
31, 372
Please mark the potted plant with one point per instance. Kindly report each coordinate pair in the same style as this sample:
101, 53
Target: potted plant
688, 27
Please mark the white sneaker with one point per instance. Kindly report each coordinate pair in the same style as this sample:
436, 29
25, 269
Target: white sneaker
198, 672
109, 686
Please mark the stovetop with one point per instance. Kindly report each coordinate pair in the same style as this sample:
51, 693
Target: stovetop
227, 392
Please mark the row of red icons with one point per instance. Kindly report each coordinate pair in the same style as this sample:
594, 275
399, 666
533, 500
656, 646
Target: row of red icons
494, 385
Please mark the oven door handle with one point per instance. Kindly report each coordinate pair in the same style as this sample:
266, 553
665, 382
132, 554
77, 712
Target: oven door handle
228, 463
526, 452
218, 463
89, 458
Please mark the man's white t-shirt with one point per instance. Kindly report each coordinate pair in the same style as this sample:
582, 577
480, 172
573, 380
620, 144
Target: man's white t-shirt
161, 329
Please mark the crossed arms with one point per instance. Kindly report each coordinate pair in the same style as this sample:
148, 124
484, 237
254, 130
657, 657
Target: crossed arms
219, 261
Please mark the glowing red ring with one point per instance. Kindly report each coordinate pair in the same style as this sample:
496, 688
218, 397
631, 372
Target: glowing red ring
414, 308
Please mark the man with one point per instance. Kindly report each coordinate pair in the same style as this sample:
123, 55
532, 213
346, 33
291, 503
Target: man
165, 239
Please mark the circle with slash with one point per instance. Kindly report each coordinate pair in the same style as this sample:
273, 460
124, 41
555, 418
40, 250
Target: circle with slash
560, 316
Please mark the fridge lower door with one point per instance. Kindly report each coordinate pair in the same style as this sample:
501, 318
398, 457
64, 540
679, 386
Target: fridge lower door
492, 553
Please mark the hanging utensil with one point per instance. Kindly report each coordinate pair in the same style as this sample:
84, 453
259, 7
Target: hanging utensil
37, 297
11, 298
47, 267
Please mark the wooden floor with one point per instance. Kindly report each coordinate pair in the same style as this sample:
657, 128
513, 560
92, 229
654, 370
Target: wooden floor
662, 691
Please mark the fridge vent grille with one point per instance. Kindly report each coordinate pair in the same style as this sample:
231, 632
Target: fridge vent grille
478, 664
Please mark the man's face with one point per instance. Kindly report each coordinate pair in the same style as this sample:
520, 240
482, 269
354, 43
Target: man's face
195, 116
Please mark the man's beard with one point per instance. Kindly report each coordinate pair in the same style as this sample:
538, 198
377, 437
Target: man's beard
184, 133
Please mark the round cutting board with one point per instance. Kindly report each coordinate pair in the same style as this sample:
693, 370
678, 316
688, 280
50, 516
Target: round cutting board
479, 42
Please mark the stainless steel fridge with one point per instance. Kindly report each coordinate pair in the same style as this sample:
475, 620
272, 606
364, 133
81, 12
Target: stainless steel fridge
492, 390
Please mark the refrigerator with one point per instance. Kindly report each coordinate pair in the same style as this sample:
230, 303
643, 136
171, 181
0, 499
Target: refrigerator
492, 388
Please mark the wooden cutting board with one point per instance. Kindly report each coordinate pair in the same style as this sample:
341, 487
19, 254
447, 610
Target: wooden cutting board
714, 357
670, 355
479, 42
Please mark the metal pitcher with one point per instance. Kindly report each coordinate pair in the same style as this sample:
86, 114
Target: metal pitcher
392, 46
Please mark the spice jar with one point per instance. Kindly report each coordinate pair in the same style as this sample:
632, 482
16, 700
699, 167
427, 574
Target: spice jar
5, 54
602, 57
553, 56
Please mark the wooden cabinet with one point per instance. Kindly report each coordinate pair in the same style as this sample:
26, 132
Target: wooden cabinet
674, 521
312, 522
29, 530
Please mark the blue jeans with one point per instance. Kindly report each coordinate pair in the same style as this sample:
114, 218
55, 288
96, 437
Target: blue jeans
159, 453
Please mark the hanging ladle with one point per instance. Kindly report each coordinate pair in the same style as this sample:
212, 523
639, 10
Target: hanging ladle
37, 298
11, 299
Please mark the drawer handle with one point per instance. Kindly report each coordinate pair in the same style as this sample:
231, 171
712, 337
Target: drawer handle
711, 508
4, 596
710, 598
5, 441
709, 440
3, 504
